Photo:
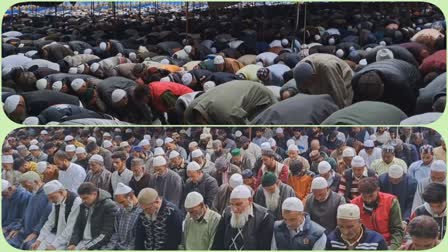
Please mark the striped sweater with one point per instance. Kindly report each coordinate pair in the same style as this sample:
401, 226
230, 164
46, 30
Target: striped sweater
370, 240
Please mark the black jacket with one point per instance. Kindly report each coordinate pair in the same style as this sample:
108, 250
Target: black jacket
38, 101
101, 222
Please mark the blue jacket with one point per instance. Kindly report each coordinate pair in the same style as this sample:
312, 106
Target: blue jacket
36, 213
404, 191
370, 240
13, 209
303, 240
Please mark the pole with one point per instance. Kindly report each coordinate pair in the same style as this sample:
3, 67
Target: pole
297, 26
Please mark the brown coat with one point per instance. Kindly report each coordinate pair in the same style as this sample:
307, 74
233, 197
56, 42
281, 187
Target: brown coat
232, 65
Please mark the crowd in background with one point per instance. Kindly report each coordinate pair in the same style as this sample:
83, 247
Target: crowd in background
224, 188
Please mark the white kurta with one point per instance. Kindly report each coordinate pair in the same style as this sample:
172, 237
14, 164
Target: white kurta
73, 177
64, 230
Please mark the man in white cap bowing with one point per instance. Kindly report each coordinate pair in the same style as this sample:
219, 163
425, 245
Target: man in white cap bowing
201, 182
244, 225
350, 234
206, 165
333, 178
8, 173
36, 213
200, 222
388, 158
322, 203
437, 175
370, 152
296, 231
350, 179
396, 182
58, 228
37, 154
14, 202
98, 174
293, 154
222, 198
171, 145
178, 164
159, 226
126, 217
166, 182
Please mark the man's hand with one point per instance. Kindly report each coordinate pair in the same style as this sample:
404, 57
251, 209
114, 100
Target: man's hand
71, 247
35, 245
50, 247
30, 237
12, 234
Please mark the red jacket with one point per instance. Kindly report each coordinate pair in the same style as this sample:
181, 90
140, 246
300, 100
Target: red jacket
434, 62
281, 170
159, 88
380, 218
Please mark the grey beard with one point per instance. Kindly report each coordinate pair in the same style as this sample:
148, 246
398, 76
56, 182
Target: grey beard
138, 178
272, 199
240, 220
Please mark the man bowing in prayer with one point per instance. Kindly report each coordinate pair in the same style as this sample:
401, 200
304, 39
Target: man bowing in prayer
244, 225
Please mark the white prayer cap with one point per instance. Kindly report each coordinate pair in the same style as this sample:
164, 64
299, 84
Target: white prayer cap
265, 146
158, 161
128, 130
165, 79
272, 142
193, 166
169, 140
31, 120
290, 142
187, 78
240, 192
87, 51
96, 158
159, 142
73, 70
348, 152
44, 132
144, 142
77, 84
173, 154
235, 180
285, 42
363, 62
319, 183
193, 199
68, 138
348, 212
369, 143
11, 103
118, 95
103, 46
41, 84
293, 147
7, 159
132, 56
331, 41
107, 144
81, 68
197, 153
209, 85
122, 189
438, 166
395, 171
34, 142
159, 151
57, 86
70, 148
34, 147
192, 144
91, 139
188, 49
80, 150
165, 62
5, 185
94, 67
358, 161
218, 60
384, 54
30, 176
106, 134
52, 186
41, 167
238, 133
124, 144
292, 204
383, 43
279, 131
147, 137
323, 167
